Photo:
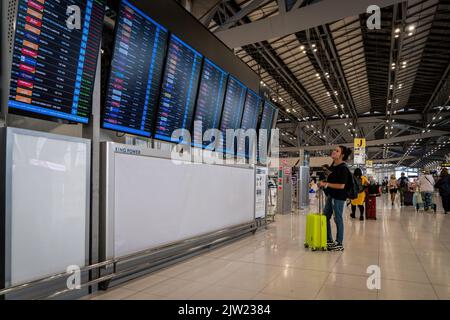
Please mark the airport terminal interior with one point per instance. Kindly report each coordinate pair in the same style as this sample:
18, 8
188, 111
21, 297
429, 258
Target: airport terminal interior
225, 150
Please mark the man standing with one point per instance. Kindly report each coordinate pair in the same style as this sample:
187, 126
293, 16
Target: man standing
403, 187
426, 185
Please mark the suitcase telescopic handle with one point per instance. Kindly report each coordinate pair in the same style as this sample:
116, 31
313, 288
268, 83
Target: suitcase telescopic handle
320, 200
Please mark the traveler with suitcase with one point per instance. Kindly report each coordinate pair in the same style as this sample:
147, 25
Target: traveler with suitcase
443, 184
426, 185
362, 182
335, 189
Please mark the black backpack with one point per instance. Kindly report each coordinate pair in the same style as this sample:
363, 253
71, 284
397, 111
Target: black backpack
351, 187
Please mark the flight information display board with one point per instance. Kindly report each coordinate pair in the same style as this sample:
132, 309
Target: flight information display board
232, 109
266, 123
135, 76
210, 99
54, 62
252, 108
179, 89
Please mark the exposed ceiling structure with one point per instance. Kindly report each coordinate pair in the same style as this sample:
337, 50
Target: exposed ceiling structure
334, 78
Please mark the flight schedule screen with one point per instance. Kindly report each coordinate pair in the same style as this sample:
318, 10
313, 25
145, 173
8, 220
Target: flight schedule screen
135, 75
250, 117
265, 126
232, 109
179, 89
210, 98
55, 59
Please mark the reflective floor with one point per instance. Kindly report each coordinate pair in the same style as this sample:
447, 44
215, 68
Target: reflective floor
412, 250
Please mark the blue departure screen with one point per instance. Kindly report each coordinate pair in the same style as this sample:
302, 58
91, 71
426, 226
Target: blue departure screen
252, 108
266, 123
232, 109
136, 70
54, 63
210, 98
179, 89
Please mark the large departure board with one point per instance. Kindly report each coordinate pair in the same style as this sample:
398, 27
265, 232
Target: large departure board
54, 61
210, 99
135, 75
232, 109
179, 89
252, 108
265, 127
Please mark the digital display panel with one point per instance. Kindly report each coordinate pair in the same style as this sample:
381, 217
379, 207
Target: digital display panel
267, 119
55, 59
179, 89
211, 94
232, 109
252, 109
135, 75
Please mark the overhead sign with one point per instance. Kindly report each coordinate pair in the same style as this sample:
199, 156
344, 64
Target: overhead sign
445, 165
359, 151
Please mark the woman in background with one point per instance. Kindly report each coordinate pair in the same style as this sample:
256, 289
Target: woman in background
393, 186
359, 202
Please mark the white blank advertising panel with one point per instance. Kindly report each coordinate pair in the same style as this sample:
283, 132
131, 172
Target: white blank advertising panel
157, 202
47, 201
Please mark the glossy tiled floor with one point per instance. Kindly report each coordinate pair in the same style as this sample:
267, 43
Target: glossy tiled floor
412, 250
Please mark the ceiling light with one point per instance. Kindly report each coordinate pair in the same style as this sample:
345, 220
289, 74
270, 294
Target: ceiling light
302, 47
410, 34
397, 30
411, 28
396, 36
315, 50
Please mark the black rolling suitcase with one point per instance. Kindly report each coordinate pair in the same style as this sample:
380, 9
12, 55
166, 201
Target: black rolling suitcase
409, 198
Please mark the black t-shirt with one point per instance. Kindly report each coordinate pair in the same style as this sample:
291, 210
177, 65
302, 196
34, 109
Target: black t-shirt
339, 174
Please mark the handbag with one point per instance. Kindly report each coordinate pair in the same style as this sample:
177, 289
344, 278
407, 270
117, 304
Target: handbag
419, 199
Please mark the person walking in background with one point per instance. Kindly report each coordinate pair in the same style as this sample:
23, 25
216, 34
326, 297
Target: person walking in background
403, 188
443, 184
393, 187
335, 190
426, 184
359, 202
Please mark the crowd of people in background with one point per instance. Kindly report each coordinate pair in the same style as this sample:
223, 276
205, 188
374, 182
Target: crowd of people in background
337, 178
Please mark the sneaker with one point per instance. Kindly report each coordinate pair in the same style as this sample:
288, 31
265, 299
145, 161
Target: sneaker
352, 216
330, 245
338, 247
361, 218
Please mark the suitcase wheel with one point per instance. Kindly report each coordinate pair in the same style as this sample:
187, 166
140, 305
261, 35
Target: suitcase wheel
306, 245
314, 249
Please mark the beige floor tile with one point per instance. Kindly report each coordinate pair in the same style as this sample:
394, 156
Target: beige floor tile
294, 289
266, 296
404, 290
223, 293
404, 274
350, 269
340, 293
177, 288
113, 294
246, 281
144, 296
144, 282
443, 292
347, 281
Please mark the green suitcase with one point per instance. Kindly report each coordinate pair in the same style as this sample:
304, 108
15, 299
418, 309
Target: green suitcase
316, 229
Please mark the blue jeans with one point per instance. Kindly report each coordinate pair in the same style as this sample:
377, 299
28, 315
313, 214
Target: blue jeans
336, 206
427, 199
